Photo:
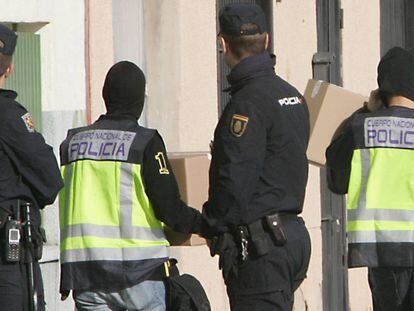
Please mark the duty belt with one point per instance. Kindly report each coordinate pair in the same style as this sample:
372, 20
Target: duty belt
257, 237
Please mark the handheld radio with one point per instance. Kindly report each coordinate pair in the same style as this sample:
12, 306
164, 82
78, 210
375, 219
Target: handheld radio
13, 243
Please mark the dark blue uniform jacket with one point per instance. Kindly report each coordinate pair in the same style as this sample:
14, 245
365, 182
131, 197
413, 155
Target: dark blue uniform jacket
259, 164
28, 167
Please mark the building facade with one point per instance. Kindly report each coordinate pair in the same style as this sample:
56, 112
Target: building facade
174, 42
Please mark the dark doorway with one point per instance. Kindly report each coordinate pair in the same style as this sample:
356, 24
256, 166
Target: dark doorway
397, 24
327, 62
222, 69
409, 24
327, 67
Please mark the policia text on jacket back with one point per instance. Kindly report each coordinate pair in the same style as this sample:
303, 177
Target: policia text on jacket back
29, 180
371, 158
119, 187
258, 172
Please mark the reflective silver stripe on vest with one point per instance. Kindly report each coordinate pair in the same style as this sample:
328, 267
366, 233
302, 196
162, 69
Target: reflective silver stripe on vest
100, 144
67, 179
119, 254
365, 170
381, 214
125, 194
393, 236
113, 232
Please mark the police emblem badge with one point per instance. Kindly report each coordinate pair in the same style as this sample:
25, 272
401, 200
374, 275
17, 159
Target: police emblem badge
28, 121
238, 125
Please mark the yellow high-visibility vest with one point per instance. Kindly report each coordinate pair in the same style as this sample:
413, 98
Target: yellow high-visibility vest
105, 214
380, 209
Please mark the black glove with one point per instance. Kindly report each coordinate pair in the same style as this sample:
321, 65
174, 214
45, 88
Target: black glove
228, 252
64, 295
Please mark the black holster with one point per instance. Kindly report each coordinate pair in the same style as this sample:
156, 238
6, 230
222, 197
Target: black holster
30, 252
267, 231
274, 223
259, 239
34, 251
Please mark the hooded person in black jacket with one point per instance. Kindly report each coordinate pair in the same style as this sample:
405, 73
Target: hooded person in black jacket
371, 159
104, 282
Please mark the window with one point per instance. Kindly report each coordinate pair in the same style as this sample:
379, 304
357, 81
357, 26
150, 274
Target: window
26, 77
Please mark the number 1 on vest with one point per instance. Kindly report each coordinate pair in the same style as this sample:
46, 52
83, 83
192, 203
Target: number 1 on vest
162, 163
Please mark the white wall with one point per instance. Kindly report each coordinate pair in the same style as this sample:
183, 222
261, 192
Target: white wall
128, 37
101, 51
361, 45
181, 71
295, 40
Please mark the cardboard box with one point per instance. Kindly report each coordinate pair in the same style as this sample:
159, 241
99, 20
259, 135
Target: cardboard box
328, 106
191, 172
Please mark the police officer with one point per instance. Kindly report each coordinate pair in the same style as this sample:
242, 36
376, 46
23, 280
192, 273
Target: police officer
372, 159
258, 172
119, 187
28, 172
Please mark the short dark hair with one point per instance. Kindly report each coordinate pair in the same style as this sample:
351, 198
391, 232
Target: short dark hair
5, 61
246, 45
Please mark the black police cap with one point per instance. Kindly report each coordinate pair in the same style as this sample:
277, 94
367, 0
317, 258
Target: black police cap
8, 39
233, 16
396, 73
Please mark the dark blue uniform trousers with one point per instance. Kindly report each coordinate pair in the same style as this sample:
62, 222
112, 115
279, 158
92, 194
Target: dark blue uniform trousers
14, 287
392, 288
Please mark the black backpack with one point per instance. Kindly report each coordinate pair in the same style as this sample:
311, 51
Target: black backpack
185, 292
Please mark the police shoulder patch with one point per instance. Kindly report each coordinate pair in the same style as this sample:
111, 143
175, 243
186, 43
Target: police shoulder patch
28, 122
238, 125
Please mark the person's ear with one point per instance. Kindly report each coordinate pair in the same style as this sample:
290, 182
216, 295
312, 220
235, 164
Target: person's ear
223, 46
267, 41
9, 71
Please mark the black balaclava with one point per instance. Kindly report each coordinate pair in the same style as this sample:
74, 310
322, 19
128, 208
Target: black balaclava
396, 73
124, 90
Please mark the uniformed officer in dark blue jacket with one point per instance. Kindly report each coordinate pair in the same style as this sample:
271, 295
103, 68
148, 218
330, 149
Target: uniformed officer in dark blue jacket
28, 172
258, 172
